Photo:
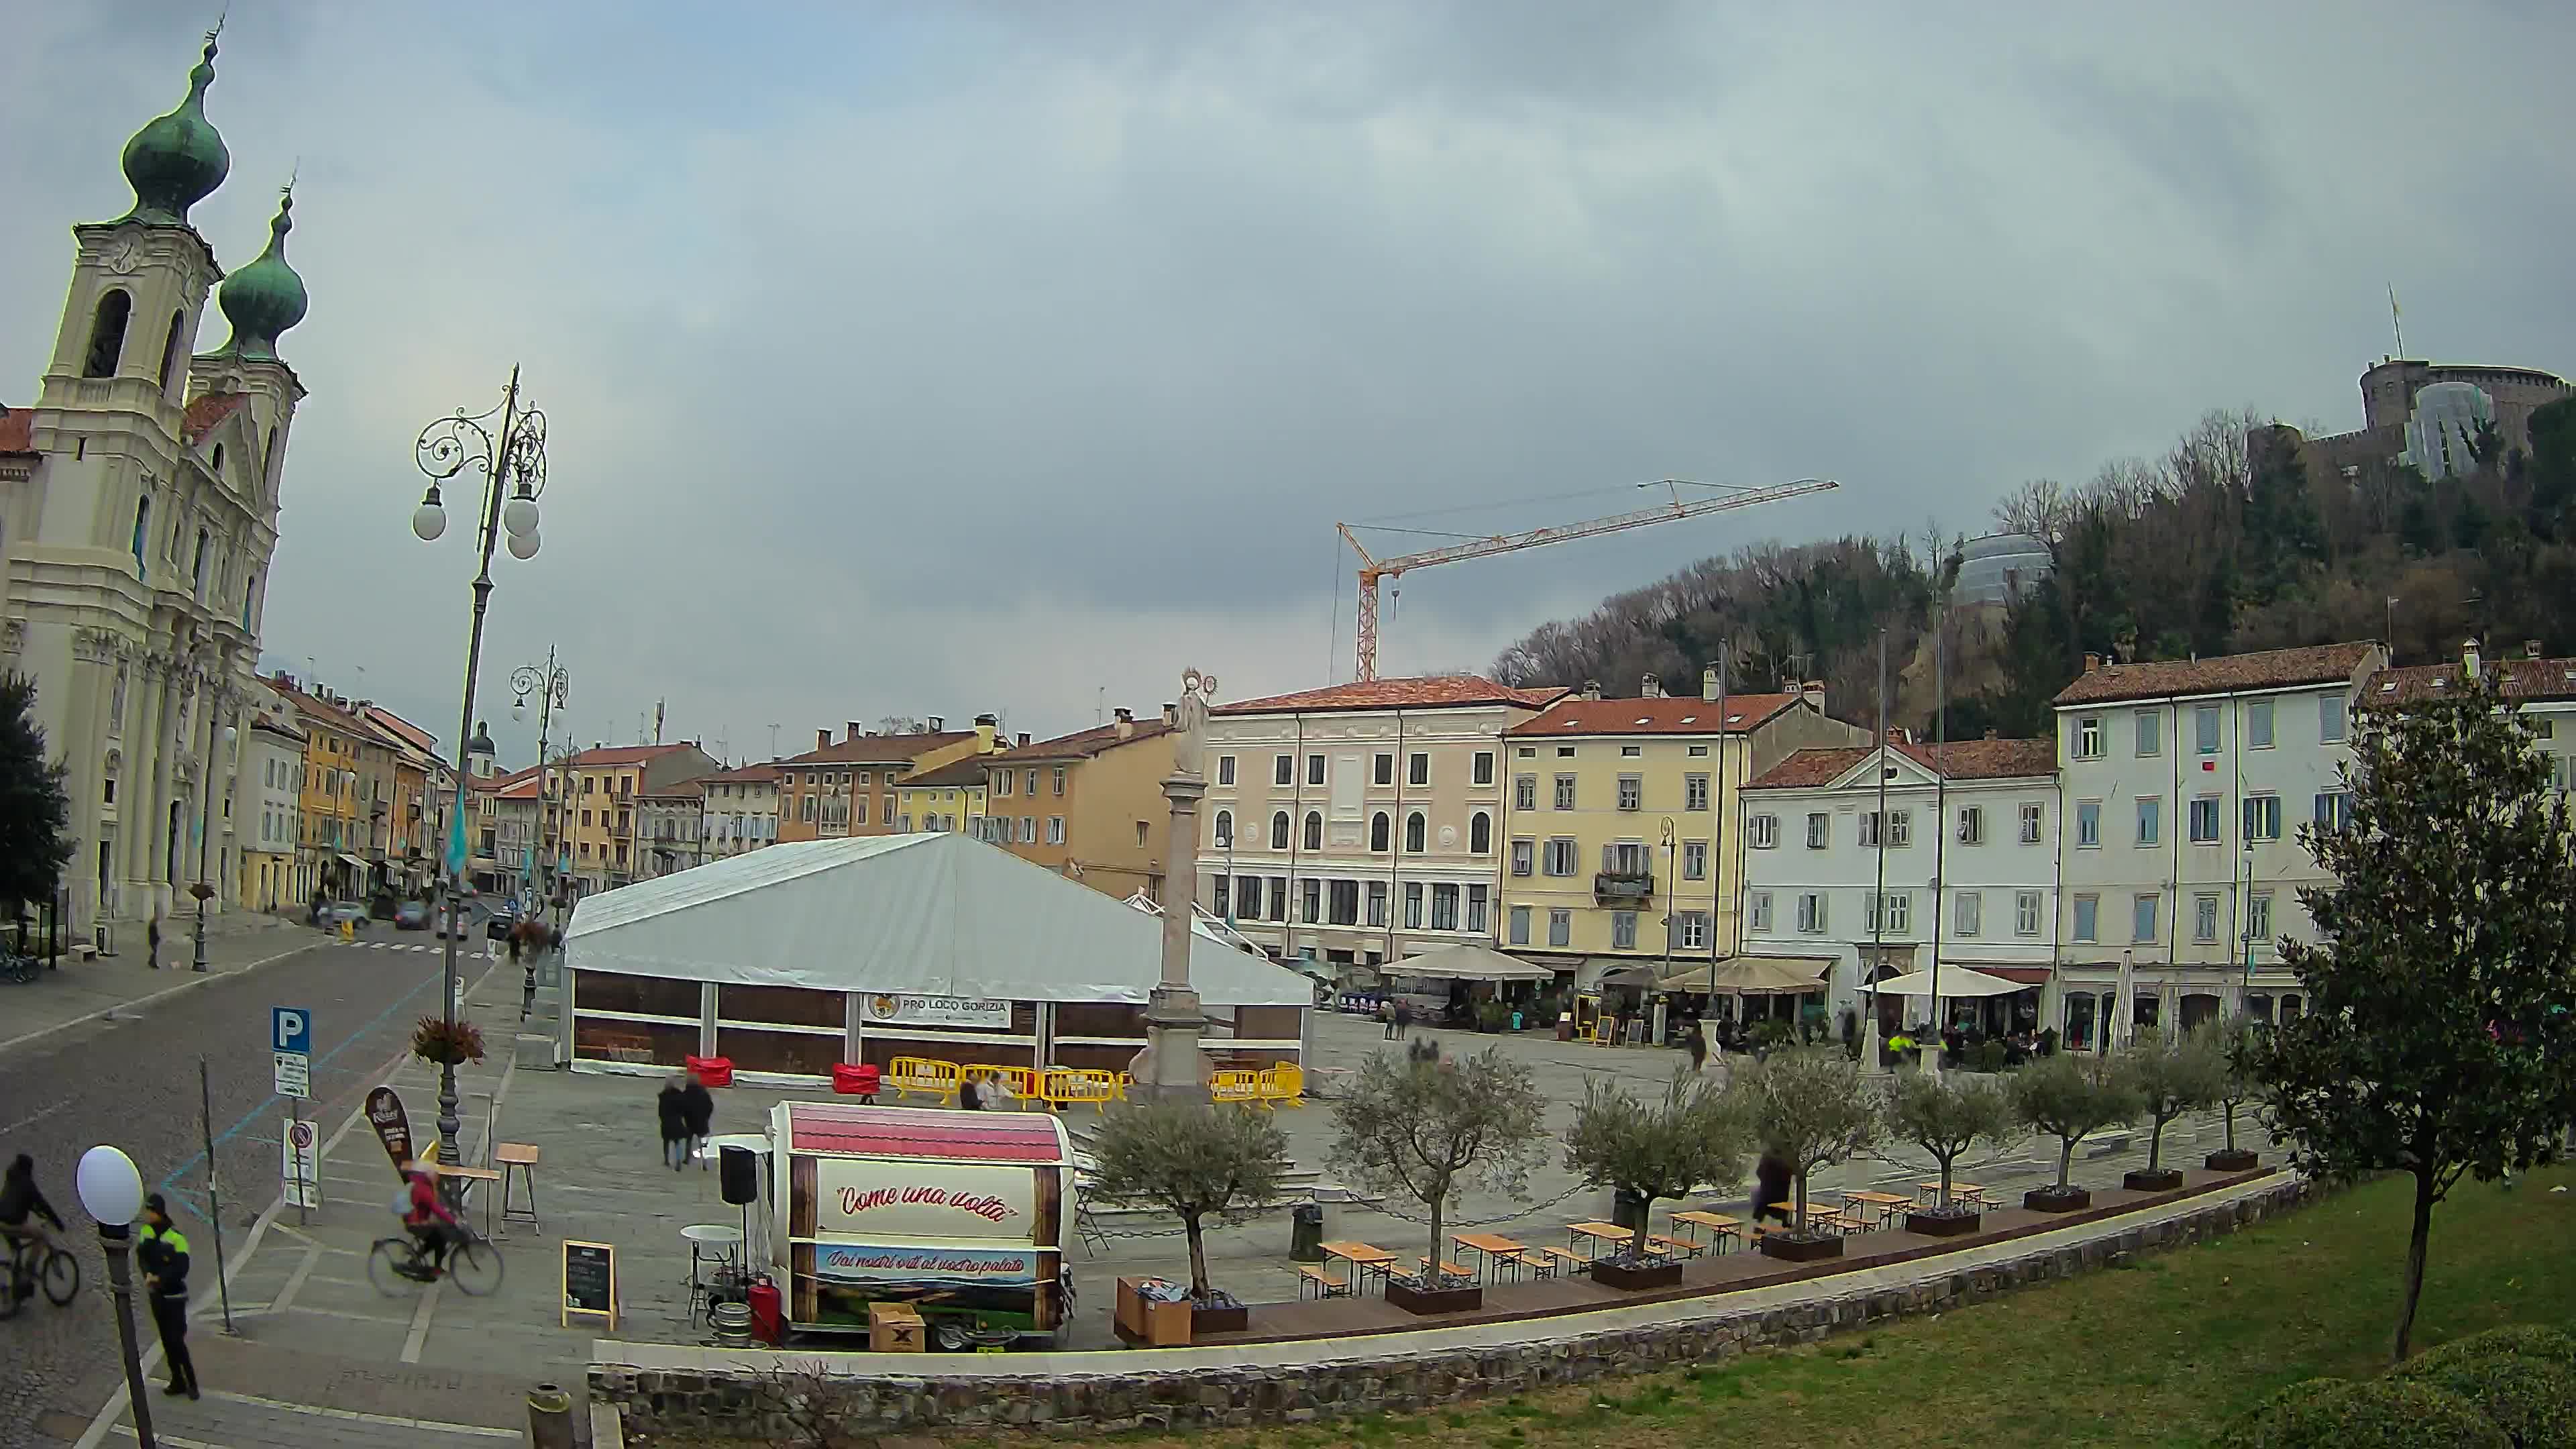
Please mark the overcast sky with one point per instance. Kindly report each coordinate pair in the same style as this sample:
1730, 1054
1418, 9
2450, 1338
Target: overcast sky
932, 359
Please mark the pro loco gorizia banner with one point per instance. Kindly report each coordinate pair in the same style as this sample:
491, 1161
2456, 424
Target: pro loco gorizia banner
888, 1010
926, 1267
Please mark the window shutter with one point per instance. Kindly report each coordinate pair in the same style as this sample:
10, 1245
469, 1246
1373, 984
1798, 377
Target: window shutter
1609, 857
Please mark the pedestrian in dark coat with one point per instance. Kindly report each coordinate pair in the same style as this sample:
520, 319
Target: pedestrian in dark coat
1698, 1044
672, 1107
1772, 1177
162, 1252
697, 1112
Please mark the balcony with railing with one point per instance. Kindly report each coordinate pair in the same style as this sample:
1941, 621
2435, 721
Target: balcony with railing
1623, 887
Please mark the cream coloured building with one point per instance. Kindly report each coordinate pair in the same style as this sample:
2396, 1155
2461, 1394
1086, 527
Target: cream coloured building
138, 513
1621, 843
1365, 820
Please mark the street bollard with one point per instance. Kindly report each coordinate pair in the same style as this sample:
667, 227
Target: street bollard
549, 1417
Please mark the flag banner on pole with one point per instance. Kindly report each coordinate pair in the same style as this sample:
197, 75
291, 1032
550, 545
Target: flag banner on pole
456, 838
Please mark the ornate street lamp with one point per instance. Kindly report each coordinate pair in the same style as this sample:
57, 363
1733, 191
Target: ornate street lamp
552, 687
112, 1192
513, 466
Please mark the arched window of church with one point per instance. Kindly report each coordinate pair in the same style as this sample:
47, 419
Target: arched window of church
107, 333
217, 465
250, 591
268, 454
170, 350
197, 571
1314, 830
142, 520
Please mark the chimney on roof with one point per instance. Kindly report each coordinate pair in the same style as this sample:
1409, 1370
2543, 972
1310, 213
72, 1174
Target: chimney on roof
1650, 687
2531, 649
823, 738
986, 726
1126, 723
2469, 656
1021, 739
938, 724
1591, 689
2092, 663
1708, 684
1814, 692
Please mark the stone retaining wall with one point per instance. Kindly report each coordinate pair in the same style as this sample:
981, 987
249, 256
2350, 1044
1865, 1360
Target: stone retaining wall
736, 1401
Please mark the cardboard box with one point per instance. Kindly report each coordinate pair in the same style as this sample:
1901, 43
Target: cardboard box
895, 1328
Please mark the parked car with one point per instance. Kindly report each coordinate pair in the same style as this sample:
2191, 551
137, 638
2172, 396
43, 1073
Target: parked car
340, 913
504, 919
412, 916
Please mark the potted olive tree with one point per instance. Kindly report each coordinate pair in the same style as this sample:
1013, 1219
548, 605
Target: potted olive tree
1690, 1139
2070, 1098
2171, 1079
1430, 1129
1196, 1163
1807, 1106
1945, 1115
2237, 1087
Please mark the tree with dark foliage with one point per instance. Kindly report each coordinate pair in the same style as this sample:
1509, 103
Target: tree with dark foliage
35, 843
2437, 1040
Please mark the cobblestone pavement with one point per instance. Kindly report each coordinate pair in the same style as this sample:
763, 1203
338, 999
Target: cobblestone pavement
134, 1083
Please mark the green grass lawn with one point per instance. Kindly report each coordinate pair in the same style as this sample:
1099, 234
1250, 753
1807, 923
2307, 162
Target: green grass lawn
2159, 1353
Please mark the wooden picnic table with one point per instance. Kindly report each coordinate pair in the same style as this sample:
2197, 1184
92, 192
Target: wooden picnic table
1887, 1203
1590, 1236
1495, 1248
1968, 1190
1720, 1226
1363, 1258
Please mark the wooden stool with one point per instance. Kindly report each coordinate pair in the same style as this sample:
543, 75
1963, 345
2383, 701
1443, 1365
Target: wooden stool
521, 1159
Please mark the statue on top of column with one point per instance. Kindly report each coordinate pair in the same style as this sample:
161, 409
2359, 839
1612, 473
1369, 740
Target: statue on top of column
1189, 738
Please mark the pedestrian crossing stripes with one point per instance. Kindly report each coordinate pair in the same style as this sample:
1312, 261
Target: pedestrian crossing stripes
487, 953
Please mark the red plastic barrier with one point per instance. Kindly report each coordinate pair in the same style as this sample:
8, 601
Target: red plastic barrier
856, 1079
712, 1071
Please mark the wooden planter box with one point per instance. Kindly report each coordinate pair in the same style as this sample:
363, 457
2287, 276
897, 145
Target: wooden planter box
1220, 1320
1943, 1225
1611, 1274
2050, 1200
1147, 1324
2231, 1160
1801, 1250
2163, 1179
1401, 1293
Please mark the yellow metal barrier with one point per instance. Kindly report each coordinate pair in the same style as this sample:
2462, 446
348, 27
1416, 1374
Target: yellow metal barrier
1284, 1085
922, 1076
1022, 1082
1237, 1086
1061, 1087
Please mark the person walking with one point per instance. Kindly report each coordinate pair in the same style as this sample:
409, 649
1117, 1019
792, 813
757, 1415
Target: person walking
1386, 1017
1771, 1179
1403, 1020
970, 1092
697, 1113
162, 1253
673, 1110
1697, 1042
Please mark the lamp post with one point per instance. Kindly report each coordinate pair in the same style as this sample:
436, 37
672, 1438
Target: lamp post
205, 830
552, 686
513, 464
1173, 1068
112, 1193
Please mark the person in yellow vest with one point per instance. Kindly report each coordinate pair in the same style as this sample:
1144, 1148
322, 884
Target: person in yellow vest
163, 1255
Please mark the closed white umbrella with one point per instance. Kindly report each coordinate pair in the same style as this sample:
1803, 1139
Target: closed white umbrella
2121, 1012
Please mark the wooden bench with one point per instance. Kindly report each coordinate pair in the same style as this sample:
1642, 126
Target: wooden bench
1447, 1269
1675, 1247
1554, 1260
1322, 1281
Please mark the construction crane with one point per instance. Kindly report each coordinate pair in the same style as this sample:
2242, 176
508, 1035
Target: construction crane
1375, 570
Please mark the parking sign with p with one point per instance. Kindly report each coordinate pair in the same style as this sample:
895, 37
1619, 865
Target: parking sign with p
290, 1042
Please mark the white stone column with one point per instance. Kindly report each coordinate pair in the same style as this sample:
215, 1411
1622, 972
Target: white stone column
1172, 1068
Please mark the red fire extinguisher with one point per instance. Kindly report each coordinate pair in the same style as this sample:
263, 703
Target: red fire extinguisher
768, 1319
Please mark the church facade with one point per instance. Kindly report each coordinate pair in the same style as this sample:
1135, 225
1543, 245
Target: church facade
138, 515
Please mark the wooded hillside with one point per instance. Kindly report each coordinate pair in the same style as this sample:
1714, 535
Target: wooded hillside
2223, 544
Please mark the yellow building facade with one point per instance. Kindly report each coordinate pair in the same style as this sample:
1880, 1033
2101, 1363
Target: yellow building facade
1617, 822
1088, 805
947, 797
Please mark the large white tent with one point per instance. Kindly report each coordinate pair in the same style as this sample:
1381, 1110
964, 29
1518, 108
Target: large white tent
937, 915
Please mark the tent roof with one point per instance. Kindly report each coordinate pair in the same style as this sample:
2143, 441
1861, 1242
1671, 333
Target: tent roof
933, 914
1468, 961
1752, 976
1955, 981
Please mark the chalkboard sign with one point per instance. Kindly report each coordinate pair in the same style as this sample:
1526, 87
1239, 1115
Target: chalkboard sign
589, 1281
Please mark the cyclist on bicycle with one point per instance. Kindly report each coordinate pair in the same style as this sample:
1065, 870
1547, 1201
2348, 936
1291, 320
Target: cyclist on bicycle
427, 1218
21, 1204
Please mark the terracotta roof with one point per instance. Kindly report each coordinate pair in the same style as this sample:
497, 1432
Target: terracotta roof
968, 771
762, 774
878, 749
1436, 691
278, 727
17, 430
620, 755
208, 410
1083, 744
523, 788
321, 709
682, 790
403, 731
1960, 760
2267, 669
1663, 716
2520, 679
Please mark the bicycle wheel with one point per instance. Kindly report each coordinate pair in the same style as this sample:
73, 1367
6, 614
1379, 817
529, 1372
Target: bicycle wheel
474, 1267
385, 1264
60, 1277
